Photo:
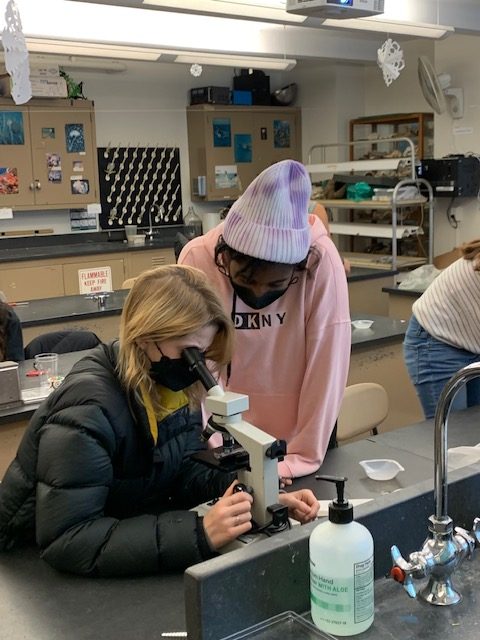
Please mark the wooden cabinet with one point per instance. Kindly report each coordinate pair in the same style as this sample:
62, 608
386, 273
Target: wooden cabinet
49, 157
416, 126
30, 280
55, 277
230, 145
137, 262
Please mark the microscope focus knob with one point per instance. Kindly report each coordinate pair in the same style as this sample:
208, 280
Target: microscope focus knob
242, 487
277, 449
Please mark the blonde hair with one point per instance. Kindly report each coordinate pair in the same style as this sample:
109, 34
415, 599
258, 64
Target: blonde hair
169, 302
471, 251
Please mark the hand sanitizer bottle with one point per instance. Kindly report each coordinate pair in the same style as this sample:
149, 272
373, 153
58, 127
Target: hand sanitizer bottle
341, 570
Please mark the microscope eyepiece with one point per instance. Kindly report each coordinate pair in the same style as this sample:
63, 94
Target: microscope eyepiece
196, 361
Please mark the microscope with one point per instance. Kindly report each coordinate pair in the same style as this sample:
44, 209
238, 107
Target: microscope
249, 451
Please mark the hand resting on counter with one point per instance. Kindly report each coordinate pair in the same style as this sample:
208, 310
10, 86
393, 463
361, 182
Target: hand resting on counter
231, 515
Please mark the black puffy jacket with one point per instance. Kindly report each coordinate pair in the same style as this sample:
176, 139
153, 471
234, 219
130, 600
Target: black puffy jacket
91, 487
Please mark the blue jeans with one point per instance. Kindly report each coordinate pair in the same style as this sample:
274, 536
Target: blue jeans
431, 363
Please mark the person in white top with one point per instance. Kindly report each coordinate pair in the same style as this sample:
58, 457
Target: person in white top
443, 334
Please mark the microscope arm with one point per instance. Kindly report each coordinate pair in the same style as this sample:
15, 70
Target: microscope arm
261, 472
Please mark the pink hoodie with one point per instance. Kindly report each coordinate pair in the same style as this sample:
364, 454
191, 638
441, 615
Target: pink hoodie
292, 357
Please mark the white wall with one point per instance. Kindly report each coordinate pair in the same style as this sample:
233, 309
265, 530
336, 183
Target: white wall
146, 105
458, 55
404, 94
330, 95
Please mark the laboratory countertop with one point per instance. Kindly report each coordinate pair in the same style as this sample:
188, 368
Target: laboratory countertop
384, 331
358, 274
25, 411
402, 292
53, 310
38, 603
68, 245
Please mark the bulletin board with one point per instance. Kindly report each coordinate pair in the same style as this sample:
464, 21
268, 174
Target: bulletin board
139, 184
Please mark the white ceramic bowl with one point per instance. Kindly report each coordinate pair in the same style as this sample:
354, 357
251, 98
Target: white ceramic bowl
362, 324
381, 469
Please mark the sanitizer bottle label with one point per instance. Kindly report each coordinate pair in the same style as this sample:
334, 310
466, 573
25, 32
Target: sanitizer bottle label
339, 602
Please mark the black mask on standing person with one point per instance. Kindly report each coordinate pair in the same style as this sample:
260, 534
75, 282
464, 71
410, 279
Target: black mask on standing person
247, 296
173, 373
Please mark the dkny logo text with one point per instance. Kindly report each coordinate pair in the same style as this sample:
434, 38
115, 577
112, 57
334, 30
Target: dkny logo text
256, 320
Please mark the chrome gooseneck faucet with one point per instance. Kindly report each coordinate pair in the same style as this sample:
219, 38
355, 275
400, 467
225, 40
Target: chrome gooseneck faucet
446, 547
149, 233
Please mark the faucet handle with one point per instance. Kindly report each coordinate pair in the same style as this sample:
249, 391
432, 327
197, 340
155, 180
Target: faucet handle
402, 572
476, 531
466, 541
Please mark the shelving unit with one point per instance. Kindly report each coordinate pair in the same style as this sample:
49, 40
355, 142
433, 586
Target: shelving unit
393, 209
418, 127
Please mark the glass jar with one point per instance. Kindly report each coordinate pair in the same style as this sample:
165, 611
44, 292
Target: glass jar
192, 224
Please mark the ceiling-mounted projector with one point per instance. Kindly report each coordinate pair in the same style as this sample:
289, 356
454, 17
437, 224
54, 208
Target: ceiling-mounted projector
336, 9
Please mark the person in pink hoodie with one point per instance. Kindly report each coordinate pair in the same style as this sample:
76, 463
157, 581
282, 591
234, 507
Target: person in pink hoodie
283, 283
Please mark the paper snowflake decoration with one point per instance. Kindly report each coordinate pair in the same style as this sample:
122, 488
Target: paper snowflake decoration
196, 70
390, 60
16, 55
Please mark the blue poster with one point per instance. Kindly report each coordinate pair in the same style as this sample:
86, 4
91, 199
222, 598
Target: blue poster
222, 134
281, 134
74, 138
11, 127
243, 147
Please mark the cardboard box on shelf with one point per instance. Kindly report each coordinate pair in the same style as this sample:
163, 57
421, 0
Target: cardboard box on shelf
49, 87
42, 87
44, 70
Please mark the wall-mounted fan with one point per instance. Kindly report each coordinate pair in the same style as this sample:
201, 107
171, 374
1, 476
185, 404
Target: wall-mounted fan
437, 91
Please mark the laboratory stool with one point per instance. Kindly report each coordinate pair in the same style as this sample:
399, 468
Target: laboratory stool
364, 407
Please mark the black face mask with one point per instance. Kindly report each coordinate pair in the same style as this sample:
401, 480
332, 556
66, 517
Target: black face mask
172, 373
247, 296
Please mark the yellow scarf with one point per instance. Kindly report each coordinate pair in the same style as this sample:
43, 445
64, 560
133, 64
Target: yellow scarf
170, 400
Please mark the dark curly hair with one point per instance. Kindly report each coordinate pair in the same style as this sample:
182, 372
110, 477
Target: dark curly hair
251, 264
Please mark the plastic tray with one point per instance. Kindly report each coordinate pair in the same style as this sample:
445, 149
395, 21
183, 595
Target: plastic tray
284, 626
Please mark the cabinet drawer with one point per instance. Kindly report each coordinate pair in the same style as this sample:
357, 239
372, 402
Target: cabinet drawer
32, 283
136, 263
